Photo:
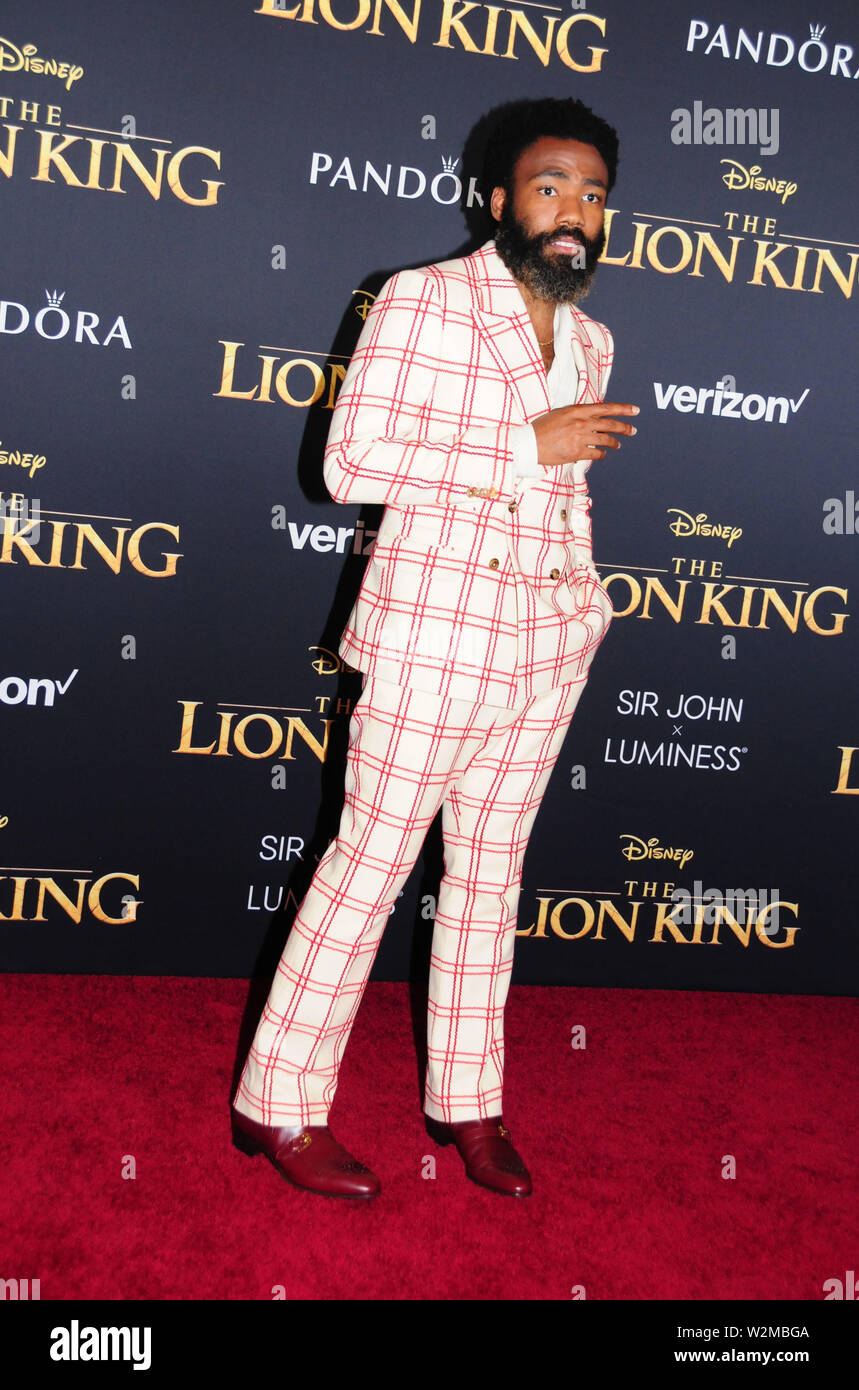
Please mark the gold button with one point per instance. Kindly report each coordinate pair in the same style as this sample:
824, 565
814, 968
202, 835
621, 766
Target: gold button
563, 515
514, 506
493, 564
554, 574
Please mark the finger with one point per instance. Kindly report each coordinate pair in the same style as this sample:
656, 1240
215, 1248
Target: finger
618, 426
606, 441
586, 412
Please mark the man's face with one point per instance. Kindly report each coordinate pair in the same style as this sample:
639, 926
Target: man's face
557, 208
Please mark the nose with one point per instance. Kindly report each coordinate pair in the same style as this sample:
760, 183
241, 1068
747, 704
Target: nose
570, 212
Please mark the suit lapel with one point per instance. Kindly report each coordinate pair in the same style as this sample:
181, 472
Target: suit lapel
505, 326
586, 358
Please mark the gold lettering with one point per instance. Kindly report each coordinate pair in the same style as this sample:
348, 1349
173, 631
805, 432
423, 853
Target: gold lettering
170, 558
52, 888
298, 726
95, 151
17, 913
17, 538
764, 260
112, 558
664, 913
838, 619
555, 919
761, 930
451, 21
408, 26
281, 380
230, 350
841, 788
174, 178
706, 242
801, 257
7, 160
273, 727
773, 597
563, 49
126, 154
710, 601
520, 21
634, 593
338, 372
685, 250
641, 228
488, 48
628, 928
721, 915
226, 717
52, 154
654, 585
265, 379
94, 900
540, 923
842, 280
749, 591
187, 733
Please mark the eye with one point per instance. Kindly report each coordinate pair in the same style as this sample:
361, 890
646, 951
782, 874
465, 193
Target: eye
546, 188
595, 197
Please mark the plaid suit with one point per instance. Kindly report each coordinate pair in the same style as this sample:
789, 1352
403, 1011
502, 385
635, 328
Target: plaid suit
475, 626
475, 589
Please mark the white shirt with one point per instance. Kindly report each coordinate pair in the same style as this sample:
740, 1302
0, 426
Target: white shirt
562, 383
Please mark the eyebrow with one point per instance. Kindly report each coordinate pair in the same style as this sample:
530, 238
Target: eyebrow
561, 174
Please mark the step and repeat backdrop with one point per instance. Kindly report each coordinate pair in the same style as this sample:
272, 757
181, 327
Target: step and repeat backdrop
199, 202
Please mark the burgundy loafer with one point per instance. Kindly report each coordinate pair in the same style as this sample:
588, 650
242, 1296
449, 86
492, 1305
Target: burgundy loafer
312, 1159
489, 1156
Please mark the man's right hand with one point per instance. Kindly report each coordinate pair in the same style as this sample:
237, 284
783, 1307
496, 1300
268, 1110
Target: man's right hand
580, 432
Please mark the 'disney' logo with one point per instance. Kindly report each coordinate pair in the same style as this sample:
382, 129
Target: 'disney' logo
739, 178
28, 59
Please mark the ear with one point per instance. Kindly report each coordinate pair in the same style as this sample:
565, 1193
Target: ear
496, 203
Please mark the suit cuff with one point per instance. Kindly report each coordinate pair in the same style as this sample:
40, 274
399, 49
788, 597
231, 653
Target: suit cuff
523, 443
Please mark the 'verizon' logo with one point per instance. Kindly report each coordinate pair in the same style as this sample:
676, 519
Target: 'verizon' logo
726, 403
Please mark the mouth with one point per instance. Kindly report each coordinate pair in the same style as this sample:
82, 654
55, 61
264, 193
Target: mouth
566, 245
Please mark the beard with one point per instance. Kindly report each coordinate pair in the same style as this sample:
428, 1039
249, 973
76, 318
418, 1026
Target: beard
547, 274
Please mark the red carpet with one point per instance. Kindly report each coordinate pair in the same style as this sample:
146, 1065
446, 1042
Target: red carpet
625, 1141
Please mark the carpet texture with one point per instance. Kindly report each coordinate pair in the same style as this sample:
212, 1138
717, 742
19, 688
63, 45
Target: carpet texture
627, 1140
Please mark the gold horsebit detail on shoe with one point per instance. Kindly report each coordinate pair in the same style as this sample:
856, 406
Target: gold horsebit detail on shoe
505, 1133
303, 1140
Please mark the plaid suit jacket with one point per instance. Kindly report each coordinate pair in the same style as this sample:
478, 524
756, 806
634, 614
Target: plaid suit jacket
479, 587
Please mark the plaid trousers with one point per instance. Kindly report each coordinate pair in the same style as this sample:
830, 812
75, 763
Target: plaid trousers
411, 753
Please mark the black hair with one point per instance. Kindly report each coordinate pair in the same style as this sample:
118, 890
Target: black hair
521, 124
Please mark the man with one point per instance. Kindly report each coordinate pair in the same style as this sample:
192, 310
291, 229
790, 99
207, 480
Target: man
472, 408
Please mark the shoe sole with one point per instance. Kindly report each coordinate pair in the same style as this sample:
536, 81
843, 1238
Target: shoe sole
498, 1190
